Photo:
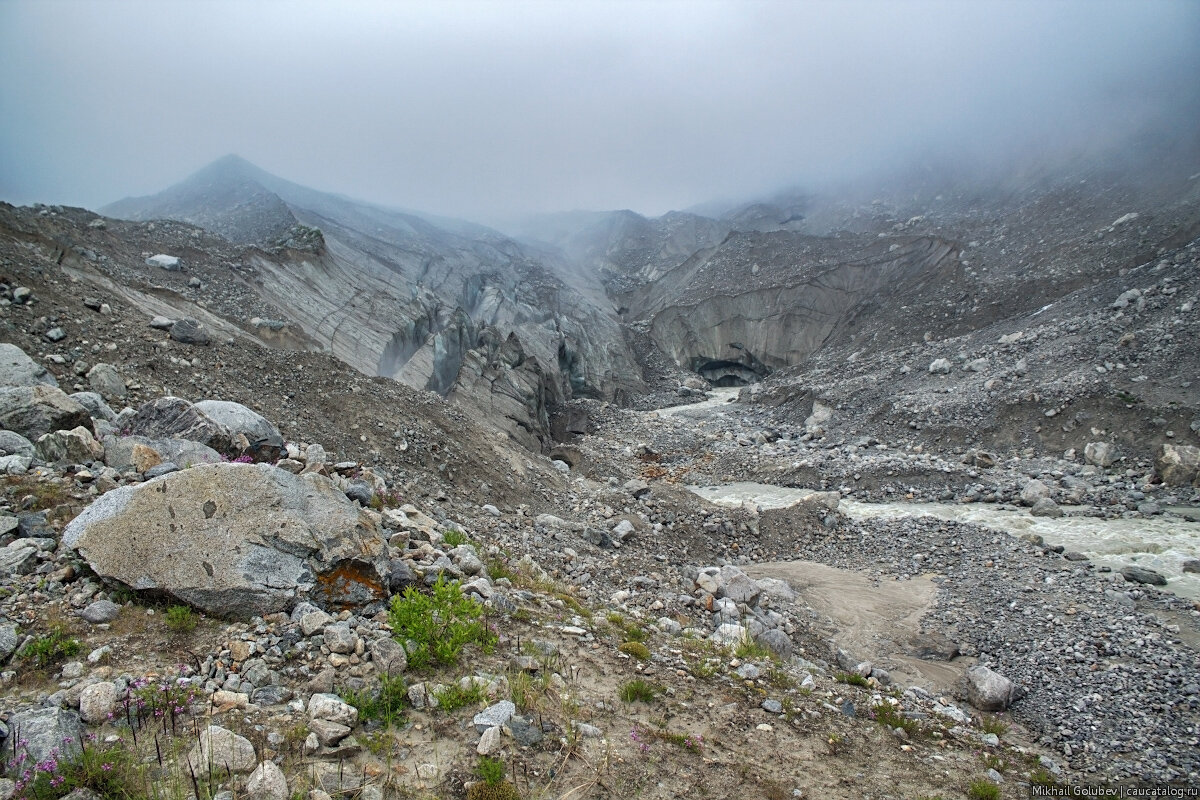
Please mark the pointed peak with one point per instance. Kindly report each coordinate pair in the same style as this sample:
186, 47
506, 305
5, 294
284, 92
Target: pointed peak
227, 167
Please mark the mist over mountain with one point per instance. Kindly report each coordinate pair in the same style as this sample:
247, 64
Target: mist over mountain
599, 399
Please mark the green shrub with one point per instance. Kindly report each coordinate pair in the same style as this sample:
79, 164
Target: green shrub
891, 717
492, 785
490, 770
454, 697
51, 647
852, 678
453, 537
435, 627
994, 725
385, 704
181, 619
641, 691
983, 790
635, 649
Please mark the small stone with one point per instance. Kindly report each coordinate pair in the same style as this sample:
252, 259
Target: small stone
772, 706
100, 611
489, 742
267, 782
498, 714
97, 701
333, 708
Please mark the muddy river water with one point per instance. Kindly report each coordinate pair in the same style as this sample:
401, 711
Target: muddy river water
1162, 543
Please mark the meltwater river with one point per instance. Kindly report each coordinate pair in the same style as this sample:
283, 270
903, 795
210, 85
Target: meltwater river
1162, 543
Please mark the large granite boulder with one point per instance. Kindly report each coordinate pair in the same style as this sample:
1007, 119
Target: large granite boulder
1178, 464
36, 410
236, 540
18, 369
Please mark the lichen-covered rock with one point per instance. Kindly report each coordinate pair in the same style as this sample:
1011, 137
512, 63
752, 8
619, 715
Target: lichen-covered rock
235, 540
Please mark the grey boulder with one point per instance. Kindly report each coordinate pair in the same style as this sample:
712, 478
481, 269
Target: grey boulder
42, 731
176, 418
189, 331
988, 690
105, 380
33, 411
240, 420
1135, 574
18, 369
95, 405
1178, 465
235, 540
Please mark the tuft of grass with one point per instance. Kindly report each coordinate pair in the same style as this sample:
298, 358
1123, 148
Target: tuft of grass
522, 691
492, 785
50, 648
639, 691
454, 697
453, 537
490, 770
181, 619
750, 650
852, 678
990, 724
1042, 777
983, 790
635, 649
434, 628
385, 703
890, 717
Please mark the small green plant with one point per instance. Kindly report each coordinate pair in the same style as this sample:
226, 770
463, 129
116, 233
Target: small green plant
890, 717
990, 724
434, 628
635, 633
983, 790
852, 678
522, 691
639, 691
453, 537
635, 649
122, 595
385, 703
492, 785
454, 697
1042, 777
51, 648
835, 742
750, 650
490, 770
181, 619
498, 569
615, 619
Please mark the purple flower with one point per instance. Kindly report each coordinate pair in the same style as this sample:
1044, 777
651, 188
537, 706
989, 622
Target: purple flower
106, 766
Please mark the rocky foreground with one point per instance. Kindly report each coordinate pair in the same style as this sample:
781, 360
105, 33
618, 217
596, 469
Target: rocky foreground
200, 603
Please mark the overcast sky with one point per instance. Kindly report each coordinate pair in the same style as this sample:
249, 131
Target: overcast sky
494, 108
